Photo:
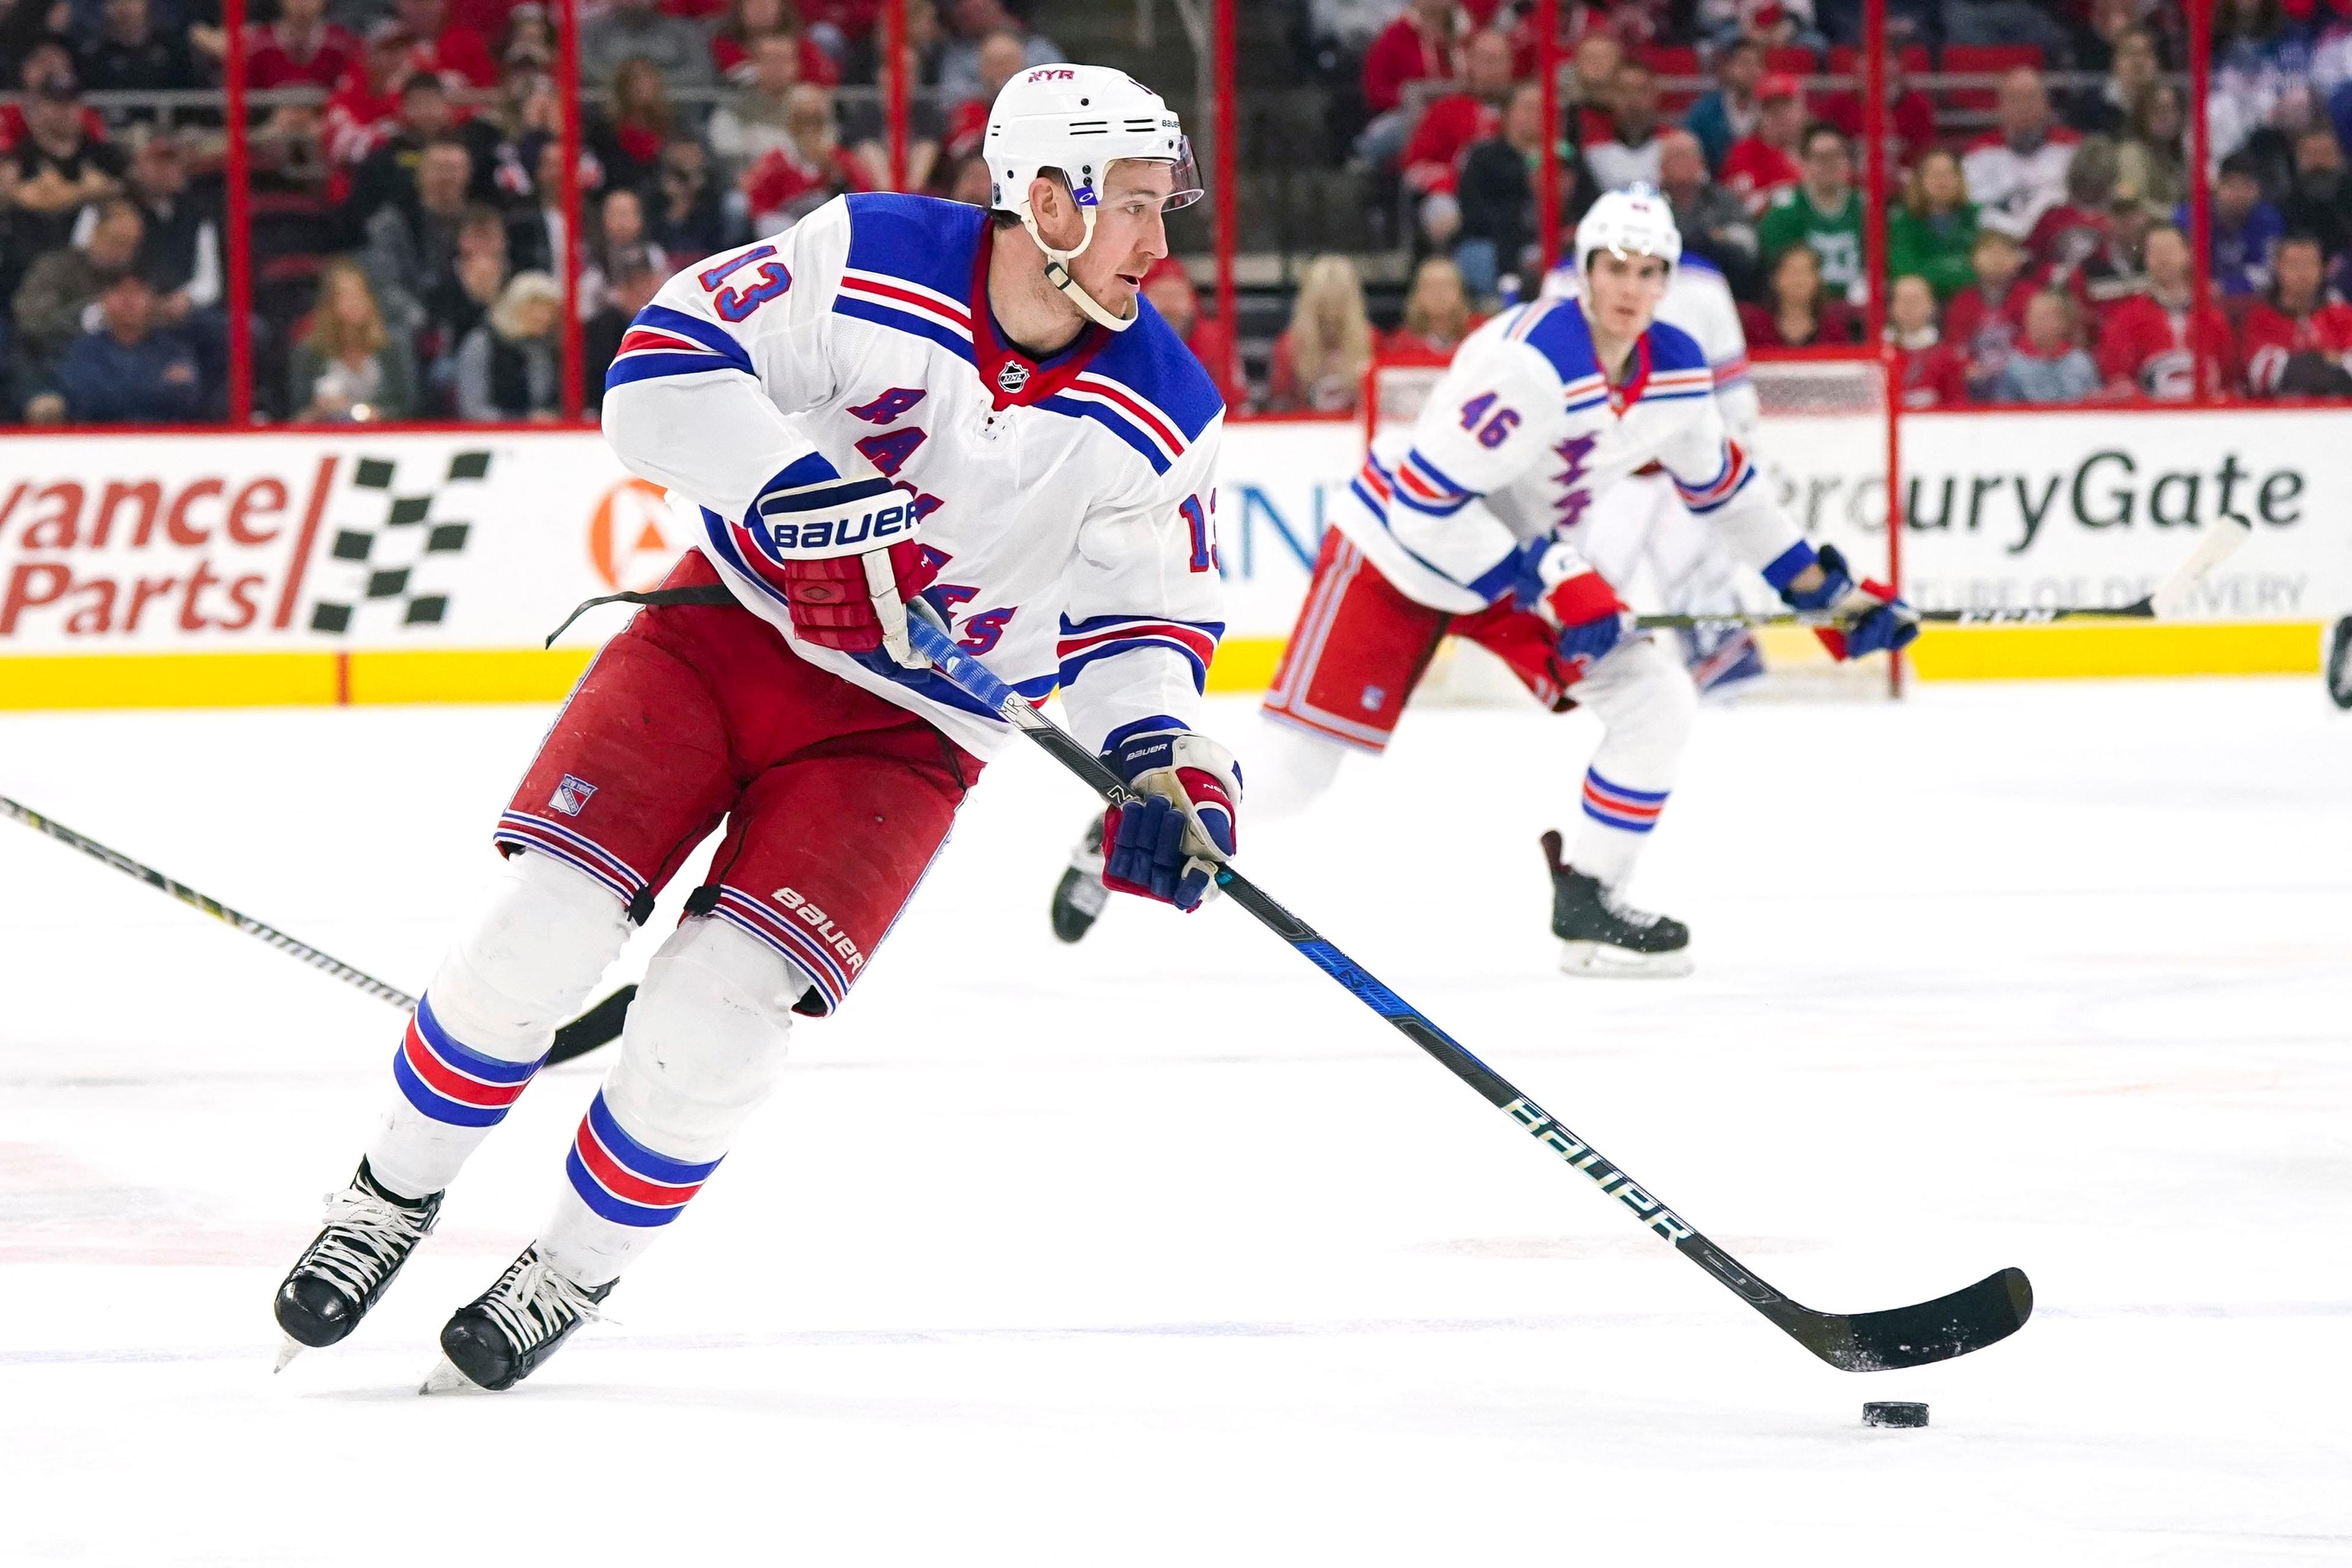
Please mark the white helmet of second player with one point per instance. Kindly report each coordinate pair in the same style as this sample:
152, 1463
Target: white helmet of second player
1078, 121
1635, 221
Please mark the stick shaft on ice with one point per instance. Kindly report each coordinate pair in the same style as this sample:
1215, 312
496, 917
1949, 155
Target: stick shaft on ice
1967, 1320
583, 1034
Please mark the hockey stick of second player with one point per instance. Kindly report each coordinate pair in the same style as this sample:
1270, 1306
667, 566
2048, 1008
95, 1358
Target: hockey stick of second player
583, 1034
1968, 1320
2167, 599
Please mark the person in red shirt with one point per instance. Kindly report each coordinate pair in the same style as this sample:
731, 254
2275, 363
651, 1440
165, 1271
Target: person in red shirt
1450, 127
2298, 339
1910, 116
456, 53
301, 48
1982, 321
2150, 347
365, 110
1437, 316
1419, 45
1763, 162
810, 168
1930, 371
748, 21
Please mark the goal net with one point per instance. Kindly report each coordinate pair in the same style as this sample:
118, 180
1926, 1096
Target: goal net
1821, 442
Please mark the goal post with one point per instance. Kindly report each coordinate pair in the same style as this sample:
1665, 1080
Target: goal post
1823, 441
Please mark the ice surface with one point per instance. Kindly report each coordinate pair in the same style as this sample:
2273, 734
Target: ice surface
1163, 1250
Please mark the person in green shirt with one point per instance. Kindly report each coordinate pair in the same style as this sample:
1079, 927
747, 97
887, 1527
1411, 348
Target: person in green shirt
1823, 210
1932, 230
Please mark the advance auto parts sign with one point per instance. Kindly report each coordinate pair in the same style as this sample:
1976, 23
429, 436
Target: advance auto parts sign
204, 545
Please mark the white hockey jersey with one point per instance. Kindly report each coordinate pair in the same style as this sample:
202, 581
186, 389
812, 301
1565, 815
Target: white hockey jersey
1698, 301
1068, 504
1520, 435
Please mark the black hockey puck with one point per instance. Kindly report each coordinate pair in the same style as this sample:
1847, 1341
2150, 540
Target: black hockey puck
1894, 1413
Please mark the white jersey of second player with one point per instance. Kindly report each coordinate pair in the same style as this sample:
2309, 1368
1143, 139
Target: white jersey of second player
1698, 301
1521, 435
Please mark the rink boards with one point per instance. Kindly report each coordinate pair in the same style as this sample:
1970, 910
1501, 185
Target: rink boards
391, 565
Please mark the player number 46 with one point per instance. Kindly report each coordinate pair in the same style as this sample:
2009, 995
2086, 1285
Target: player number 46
1493, 427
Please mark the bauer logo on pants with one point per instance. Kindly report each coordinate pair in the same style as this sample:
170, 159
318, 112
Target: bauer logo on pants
571, 796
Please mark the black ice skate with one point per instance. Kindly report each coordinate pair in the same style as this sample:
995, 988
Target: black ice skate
497, 1339
1080, 895
368, 1234
1600, 935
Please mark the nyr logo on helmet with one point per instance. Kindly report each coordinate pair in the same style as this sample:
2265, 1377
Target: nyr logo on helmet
1052, 73
1012, 375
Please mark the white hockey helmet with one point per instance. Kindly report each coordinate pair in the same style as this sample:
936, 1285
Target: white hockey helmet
1635, 221
1077, 121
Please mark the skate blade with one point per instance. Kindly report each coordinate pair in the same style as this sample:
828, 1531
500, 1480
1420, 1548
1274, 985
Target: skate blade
289, 1347
1598, 960
445, 1378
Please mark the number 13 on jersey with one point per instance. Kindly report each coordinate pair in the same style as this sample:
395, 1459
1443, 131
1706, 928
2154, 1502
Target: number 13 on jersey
734, 303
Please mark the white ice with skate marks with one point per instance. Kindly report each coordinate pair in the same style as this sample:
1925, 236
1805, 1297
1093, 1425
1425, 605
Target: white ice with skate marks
1165, 1251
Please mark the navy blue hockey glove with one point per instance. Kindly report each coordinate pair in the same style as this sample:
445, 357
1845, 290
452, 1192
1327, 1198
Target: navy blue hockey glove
1870, 618
1167, 845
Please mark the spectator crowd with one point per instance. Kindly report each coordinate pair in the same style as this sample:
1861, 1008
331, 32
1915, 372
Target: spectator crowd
409, 216
410, 219
2038, 217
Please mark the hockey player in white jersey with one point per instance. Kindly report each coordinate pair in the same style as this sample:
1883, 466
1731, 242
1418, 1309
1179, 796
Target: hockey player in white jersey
899, 398
1473, 523
1643, 523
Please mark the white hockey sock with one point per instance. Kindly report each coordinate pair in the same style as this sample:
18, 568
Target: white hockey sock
705, 1042
1642, 697
545, 935
1286, 771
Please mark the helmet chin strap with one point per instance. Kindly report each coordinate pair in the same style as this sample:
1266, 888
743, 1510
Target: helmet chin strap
1058, 273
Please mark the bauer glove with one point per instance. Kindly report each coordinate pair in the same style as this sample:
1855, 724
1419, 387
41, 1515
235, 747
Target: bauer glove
1866, 618
848, 555
1587, 618
1167, 844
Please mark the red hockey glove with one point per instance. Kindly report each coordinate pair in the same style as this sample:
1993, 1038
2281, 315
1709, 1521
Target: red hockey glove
1576, 601
858, 603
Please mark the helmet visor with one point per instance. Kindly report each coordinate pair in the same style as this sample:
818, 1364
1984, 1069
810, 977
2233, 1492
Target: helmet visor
1183, 179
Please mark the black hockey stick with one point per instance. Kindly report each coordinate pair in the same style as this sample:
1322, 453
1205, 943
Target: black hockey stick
2167, 599
583, 1034
1990, 1309
2140, 610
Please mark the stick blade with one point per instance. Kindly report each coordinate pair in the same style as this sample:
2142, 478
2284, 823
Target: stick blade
1985, 1313
593, 1028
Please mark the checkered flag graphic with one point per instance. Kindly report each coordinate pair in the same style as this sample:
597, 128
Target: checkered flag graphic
388, 535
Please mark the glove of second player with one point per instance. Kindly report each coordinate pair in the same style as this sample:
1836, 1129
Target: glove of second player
1588, 617
1870, 618
1167, 845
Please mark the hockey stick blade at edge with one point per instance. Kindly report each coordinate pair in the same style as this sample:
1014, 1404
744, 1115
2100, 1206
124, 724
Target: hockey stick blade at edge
1984, 1314
1967, 1320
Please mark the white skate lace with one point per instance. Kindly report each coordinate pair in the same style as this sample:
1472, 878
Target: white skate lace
1641, 920
532, 1304
364, 1239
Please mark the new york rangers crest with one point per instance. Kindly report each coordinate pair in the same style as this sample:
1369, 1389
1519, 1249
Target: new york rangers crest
1012, 375
571, 796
